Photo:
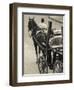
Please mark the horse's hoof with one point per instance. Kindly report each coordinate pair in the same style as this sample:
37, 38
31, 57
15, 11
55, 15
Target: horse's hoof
51, 67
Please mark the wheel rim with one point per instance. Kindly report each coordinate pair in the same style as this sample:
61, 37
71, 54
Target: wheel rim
43, 68
58, 67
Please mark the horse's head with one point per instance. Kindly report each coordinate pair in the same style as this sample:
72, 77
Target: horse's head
30, 24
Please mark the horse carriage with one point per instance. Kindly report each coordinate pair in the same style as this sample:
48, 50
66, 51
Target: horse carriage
48, 47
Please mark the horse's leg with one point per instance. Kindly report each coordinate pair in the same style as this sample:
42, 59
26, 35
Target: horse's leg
36, 51
40, 52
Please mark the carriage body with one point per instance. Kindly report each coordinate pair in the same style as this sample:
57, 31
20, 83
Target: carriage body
56, 46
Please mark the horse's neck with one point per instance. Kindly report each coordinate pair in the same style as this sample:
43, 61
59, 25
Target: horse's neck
35, 27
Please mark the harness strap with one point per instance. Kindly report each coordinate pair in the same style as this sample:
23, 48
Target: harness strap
38, 43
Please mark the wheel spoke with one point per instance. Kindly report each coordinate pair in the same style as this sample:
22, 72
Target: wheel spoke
43, 68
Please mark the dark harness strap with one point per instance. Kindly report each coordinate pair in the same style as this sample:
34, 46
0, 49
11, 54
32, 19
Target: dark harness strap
38, 43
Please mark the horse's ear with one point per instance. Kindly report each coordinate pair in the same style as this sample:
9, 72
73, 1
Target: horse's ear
29, 18
33, 18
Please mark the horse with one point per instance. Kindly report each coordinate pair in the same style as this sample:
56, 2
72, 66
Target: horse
38, 36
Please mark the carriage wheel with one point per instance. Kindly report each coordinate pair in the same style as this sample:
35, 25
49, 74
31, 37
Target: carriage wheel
42, 65
58, 66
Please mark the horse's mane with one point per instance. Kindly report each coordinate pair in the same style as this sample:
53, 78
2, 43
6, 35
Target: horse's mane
35, 25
